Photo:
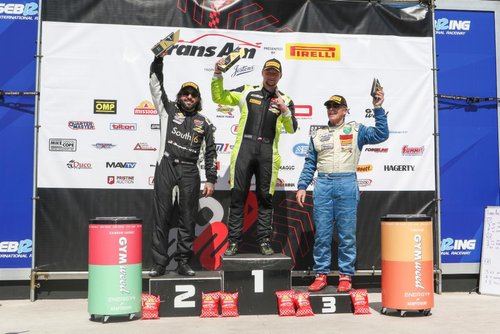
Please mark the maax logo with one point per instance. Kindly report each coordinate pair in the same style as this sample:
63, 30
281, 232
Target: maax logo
145, 108
193, 48
300, 51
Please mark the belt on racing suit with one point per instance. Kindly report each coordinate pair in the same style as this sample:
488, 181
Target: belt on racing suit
259, 139
177, 161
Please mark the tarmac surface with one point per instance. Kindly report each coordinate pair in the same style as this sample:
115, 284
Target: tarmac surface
453, 312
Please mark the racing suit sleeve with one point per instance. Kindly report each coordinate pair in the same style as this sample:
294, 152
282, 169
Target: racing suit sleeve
377, 134
160, 99
307, 174
210, 153
289, 120
221, 96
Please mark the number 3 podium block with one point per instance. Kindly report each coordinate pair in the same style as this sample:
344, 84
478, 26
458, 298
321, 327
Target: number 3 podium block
256, 278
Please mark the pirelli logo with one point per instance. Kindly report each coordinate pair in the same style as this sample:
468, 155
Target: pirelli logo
313, 51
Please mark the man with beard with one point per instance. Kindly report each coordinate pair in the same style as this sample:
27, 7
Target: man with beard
264, 111
334, 152
186, 137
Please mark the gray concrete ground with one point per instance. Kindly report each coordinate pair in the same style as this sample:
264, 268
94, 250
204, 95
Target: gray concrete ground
457, 312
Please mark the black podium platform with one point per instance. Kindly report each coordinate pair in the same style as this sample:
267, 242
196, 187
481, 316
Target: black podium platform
181, 295
256, 278
328, 300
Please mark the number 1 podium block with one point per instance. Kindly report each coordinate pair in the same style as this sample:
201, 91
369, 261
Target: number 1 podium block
256, 278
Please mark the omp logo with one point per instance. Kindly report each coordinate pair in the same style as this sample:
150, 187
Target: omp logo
26, 10
193, 48
123, 126
452, 27
300, 149
145, 108
62, 145
364, 168
120, 164
329, 52
18, 247
105, 106
81, 125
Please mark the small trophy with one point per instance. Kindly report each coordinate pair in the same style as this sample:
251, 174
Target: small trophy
232, 59
375, 87
163, 46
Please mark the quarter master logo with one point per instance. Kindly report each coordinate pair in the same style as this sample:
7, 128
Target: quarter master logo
299, 51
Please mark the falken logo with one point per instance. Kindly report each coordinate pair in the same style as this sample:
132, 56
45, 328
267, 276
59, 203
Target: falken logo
81, 125
445, 26
73, 164
300, 51
300, 149
412, 151
145, 108
120, 164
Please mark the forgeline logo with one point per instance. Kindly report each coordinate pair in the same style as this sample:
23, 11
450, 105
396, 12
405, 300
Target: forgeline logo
105, 106
330, 52
145, 108
377, 149
364, 168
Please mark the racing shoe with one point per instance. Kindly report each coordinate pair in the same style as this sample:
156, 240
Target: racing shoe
185, 270
345, 283
232, 249
319, 283
265, 248
158, 270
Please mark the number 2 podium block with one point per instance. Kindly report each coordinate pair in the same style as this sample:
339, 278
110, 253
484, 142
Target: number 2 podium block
256, 278
181, 295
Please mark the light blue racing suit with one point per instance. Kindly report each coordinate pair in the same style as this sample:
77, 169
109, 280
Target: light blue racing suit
334, 152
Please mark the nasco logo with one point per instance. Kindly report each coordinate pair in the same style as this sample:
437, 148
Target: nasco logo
300, 149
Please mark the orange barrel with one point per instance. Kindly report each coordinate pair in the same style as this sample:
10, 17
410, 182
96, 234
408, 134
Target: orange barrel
407, 262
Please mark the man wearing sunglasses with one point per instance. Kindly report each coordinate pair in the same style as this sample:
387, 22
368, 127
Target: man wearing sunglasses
186, 138
334, 151
264, 111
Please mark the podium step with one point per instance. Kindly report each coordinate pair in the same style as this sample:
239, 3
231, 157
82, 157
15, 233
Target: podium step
256, 277
181, 295
328, 300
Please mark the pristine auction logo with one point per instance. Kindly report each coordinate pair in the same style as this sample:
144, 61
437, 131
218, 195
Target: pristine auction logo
313, 51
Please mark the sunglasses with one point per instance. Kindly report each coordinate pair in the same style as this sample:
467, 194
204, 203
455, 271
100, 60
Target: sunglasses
334, 106
193, 93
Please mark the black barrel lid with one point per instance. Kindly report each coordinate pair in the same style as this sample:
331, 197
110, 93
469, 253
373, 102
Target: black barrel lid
115, 220
406, 217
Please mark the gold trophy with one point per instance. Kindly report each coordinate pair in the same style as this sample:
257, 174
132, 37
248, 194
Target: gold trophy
163, 46
375, 87
232, 59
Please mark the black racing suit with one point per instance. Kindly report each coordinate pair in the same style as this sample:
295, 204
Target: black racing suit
184, 137
255, 152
